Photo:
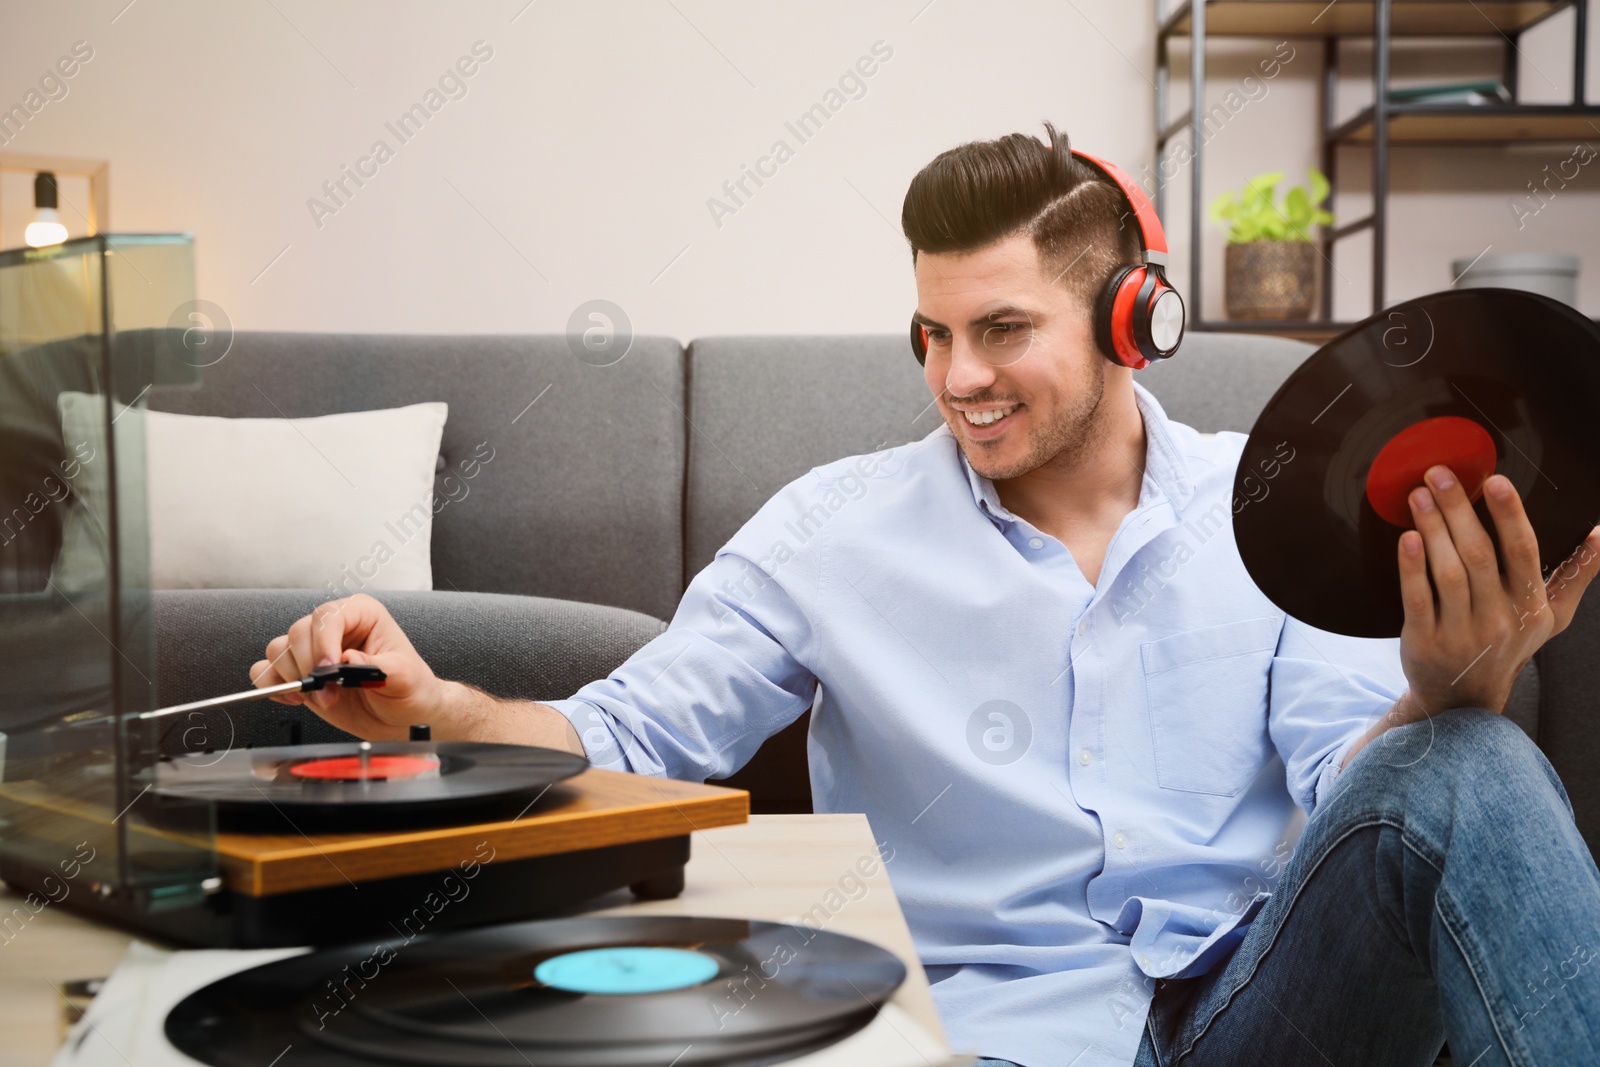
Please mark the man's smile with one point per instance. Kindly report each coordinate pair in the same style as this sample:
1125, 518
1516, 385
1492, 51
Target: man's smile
984, 422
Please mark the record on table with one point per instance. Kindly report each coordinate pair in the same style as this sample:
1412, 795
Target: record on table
1483, 380
625, 991
380, 784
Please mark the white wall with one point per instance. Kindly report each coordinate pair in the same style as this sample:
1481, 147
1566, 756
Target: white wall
587, 146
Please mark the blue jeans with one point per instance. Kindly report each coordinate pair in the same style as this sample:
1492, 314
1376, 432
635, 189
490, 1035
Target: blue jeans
1440, 891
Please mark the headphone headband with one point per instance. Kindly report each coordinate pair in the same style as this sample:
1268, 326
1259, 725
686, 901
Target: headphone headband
1152, 237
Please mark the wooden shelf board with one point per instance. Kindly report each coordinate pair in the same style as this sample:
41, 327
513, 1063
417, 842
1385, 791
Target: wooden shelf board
1312, 331
1463, 124
1353, 18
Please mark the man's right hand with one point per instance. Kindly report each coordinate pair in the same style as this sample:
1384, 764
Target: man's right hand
359, 630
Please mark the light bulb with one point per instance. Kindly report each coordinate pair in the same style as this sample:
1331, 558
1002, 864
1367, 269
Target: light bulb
45, 229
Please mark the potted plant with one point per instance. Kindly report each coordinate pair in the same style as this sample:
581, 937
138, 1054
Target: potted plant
1271, 262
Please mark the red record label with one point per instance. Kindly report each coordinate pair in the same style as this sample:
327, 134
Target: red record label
297, 788
1458, 443
348, 768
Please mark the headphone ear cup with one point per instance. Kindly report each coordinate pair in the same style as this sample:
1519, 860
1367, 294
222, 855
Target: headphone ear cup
919, 341
1159, 324
1103, 320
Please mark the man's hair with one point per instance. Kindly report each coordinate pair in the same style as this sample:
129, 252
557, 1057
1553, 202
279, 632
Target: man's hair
984, 191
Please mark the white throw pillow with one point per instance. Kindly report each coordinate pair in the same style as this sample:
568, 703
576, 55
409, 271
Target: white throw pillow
342, 503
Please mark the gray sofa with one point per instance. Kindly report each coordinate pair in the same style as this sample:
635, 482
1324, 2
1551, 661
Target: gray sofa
620, 482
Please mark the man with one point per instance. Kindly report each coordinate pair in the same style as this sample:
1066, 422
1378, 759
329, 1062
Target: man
1042, 671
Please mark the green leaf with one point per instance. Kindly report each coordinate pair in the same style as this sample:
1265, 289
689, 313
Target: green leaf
1319, 186
1263, 189
1297, 205
1255, 214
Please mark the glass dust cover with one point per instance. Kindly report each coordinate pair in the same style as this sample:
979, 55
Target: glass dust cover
87, 328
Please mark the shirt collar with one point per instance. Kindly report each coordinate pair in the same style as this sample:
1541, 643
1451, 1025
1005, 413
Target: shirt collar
1165, 469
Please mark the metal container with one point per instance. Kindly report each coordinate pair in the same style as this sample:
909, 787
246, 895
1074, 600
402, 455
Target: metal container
1549, 274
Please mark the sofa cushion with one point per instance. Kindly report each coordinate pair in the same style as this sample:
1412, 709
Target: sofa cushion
528, 648
767, 409
560, 478
334, 496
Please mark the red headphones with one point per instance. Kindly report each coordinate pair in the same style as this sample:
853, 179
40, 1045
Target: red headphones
1139, 316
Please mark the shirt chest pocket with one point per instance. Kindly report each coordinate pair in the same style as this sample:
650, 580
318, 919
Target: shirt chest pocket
1206, 694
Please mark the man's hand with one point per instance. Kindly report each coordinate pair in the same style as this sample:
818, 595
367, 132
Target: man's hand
1465, 647
360, 630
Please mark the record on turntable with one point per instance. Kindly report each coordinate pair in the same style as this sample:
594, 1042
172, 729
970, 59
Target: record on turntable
356, 785
622, 991
1481, 380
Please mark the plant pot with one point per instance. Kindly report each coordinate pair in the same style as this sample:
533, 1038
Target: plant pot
1271, 280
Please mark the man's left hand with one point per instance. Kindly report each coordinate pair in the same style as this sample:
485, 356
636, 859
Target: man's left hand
1466, 646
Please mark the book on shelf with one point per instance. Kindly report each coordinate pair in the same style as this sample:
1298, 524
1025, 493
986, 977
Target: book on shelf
1478, 94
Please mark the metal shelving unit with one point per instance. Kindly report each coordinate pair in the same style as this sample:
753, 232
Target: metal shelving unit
1381, 126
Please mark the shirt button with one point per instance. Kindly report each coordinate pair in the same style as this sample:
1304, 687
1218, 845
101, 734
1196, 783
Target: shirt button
1035, 542
1084, 757
1083, 626
1119, 839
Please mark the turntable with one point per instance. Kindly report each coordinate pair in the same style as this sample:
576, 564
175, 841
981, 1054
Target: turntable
251, 847
319, 844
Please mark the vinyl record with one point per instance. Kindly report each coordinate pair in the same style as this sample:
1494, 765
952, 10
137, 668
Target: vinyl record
328, 788
624, 991
1483, 380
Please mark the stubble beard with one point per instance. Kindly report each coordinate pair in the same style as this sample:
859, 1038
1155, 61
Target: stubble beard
1067, 438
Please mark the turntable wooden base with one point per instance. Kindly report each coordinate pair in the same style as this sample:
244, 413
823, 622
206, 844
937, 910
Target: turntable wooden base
592, 810
591, 834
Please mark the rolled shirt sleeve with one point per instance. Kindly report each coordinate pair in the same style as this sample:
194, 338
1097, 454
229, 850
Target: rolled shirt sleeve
1326, 691
734, 666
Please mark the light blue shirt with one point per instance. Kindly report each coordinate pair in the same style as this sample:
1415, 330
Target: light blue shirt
1078, 789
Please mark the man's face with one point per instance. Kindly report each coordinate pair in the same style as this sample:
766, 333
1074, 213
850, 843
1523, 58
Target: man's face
1011, 347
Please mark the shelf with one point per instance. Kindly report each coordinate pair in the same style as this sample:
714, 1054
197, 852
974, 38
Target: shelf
1381, 126
1312, 331
1469, 124
1353, 18
1309, 330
